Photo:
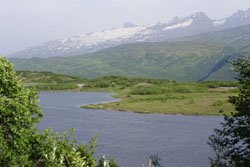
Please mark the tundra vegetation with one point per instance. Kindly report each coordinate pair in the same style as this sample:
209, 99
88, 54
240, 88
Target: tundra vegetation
144, 95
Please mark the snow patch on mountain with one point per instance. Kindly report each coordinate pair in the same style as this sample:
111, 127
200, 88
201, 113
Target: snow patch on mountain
107, 35
219, 22
179, 25
131, 33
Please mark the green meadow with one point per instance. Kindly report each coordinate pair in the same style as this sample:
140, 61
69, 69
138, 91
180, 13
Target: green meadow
143, 95
165, 97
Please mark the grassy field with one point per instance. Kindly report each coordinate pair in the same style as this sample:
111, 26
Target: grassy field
189, 104
143, 95
166, 97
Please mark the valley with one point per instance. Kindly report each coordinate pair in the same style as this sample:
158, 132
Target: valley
144, 95
125, 83
197, 58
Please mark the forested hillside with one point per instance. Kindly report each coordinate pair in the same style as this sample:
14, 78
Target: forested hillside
197, 58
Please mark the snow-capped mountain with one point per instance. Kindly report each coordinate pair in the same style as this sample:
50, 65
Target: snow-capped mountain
131, 33
237, 19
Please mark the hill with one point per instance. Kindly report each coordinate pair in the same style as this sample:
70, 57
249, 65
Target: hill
237, 36
130, 33
48, 80
46, 77
197, 58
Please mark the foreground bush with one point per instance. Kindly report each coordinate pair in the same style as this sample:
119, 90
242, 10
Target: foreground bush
21, 143
232, 143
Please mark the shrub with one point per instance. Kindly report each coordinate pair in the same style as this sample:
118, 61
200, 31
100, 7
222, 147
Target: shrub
232, 143
21, 143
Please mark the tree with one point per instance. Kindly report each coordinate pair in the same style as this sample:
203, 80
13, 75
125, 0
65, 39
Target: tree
19, 114
21, 143
232, 143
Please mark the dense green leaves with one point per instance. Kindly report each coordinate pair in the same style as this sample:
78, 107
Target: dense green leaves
232, 143
21, 143
49, 81
19, 114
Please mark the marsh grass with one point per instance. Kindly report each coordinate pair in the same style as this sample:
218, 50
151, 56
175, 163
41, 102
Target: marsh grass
168, 97
144, 95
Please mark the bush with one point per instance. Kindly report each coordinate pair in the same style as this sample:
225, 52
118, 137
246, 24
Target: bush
164, 89
217, 84
21, 143
232, 143
62, 86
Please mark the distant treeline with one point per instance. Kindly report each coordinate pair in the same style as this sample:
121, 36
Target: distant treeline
52, 81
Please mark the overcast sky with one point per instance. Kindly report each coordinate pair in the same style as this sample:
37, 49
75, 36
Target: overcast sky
25, 23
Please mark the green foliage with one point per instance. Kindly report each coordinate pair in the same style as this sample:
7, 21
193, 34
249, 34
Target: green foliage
52, 149
165, 88
49, 81
145, 95
242, 101
55, 86
182, 61
232, 143
218, 84
102, 84
19, 114
46, 77
111, 81
21, 143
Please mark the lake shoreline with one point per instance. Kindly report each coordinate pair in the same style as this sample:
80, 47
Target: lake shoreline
99, 106
96, 107
147, 96
175, 138
114, 105
194, 105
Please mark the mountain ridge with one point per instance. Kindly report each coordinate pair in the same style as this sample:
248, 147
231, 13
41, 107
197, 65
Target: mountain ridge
178, 27
190, 59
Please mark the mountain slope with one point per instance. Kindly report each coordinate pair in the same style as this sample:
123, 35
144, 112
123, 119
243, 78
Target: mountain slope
237, 36
130, 33
201, 57
177, 61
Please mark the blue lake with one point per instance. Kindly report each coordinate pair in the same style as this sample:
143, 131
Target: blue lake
130, 138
